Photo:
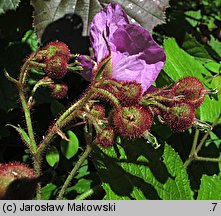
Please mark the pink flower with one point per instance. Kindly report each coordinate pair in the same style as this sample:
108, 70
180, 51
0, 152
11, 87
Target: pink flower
135, 55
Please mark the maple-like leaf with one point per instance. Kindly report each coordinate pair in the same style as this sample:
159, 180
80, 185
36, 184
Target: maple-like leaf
147, 13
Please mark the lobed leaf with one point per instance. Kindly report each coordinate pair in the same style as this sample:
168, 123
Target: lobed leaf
147, 13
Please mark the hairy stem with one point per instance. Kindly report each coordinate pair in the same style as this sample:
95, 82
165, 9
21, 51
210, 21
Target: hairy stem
40, 83
63, 120
32, 143
74, 171
108, 96
24, 70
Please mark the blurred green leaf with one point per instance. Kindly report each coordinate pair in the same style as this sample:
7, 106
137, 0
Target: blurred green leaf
193, 17
194, 48
52, 156
6, 5
31, 39
210, 188
70, 148
215, 45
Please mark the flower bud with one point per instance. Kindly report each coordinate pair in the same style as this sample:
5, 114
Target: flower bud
58, 48
106, 138
98, 111
52, 49
192, 90
59, 91
179, 117
11, 174
132, 121
56, 67
130, 93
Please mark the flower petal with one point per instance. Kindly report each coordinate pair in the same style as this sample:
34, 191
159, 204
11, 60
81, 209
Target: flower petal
106, 21
88, 64
136, 56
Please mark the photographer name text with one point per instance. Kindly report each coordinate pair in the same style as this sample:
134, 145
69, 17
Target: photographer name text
47, 207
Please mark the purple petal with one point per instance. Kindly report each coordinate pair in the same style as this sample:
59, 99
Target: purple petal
135, 55
108, 20
88, 64
151, 89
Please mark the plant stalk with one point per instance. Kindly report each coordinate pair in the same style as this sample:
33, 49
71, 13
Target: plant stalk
74, 171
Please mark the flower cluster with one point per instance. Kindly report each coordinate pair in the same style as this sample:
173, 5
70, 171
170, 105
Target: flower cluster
54, 58
177, 105
125, 64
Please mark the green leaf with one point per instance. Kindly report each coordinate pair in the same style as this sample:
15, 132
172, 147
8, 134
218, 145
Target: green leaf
52, 156
210, 188
193, 17
6, 5
210, 109
31, 39
147, 13
22, 133
69, 149
138, 171
81, 186
194, 48
216, 45
215, 84
48, 190
180, 64
214, 139
110, 195
213, 66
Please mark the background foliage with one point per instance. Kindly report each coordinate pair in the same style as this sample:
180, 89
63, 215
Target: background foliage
133, 169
